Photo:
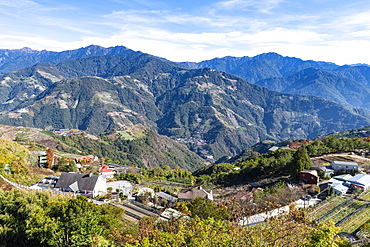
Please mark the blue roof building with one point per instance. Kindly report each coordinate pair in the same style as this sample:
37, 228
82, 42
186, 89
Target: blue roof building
361, 181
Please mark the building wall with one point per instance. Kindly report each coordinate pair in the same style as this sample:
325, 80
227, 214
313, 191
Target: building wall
100, 187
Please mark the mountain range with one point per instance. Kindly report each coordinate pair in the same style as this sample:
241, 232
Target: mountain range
214, 113
348, 84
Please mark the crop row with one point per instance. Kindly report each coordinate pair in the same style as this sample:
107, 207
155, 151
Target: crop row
356, 221
326, 206
342, 212
365, 195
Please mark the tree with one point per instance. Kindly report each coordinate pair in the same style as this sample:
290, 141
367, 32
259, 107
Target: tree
49, 158
206, 209
66, 222
301, 161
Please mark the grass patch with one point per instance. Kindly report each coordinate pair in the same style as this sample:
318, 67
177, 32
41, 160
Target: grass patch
126, 136
49, 133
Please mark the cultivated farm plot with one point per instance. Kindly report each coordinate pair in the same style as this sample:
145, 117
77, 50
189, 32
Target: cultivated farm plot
365, 196
352, 224
326, 206
344, 211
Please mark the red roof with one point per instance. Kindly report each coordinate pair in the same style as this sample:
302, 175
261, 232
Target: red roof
106, 169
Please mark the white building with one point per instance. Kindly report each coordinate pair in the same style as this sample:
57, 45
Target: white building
86, 184
339, 188
123, 186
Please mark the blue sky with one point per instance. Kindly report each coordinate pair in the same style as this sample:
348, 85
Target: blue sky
194, 30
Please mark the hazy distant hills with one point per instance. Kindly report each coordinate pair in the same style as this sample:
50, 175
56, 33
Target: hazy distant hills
213, 112
347, 85
321, 83
267, 65
15, 59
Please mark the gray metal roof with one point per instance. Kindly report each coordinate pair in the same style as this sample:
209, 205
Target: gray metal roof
338, 162
84, 181
166, 196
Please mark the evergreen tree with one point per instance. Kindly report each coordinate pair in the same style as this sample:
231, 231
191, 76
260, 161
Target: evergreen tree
301, 161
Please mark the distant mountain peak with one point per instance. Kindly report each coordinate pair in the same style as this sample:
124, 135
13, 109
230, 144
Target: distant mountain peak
26, 49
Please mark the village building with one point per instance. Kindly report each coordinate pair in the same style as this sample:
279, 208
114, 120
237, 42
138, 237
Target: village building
121, 186
344, 165
343, 177
190, 194
166, 196
339, 188
107, 172
361, 181
85, 184
309, 176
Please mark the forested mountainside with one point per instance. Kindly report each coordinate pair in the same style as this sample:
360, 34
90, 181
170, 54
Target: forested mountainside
214, 113
347, 85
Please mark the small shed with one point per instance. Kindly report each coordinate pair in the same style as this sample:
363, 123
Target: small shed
309, 176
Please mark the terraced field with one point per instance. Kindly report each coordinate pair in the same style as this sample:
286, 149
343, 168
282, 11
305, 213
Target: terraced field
326, 206
365, 196
343, 211
339, 210
352, 224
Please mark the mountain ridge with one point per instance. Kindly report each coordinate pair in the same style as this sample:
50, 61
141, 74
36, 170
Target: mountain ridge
215, 113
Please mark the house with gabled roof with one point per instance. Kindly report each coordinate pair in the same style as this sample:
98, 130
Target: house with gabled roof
86, 184
107, 172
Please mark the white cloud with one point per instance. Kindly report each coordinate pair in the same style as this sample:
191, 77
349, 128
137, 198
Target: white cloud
18, 3
263, 6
